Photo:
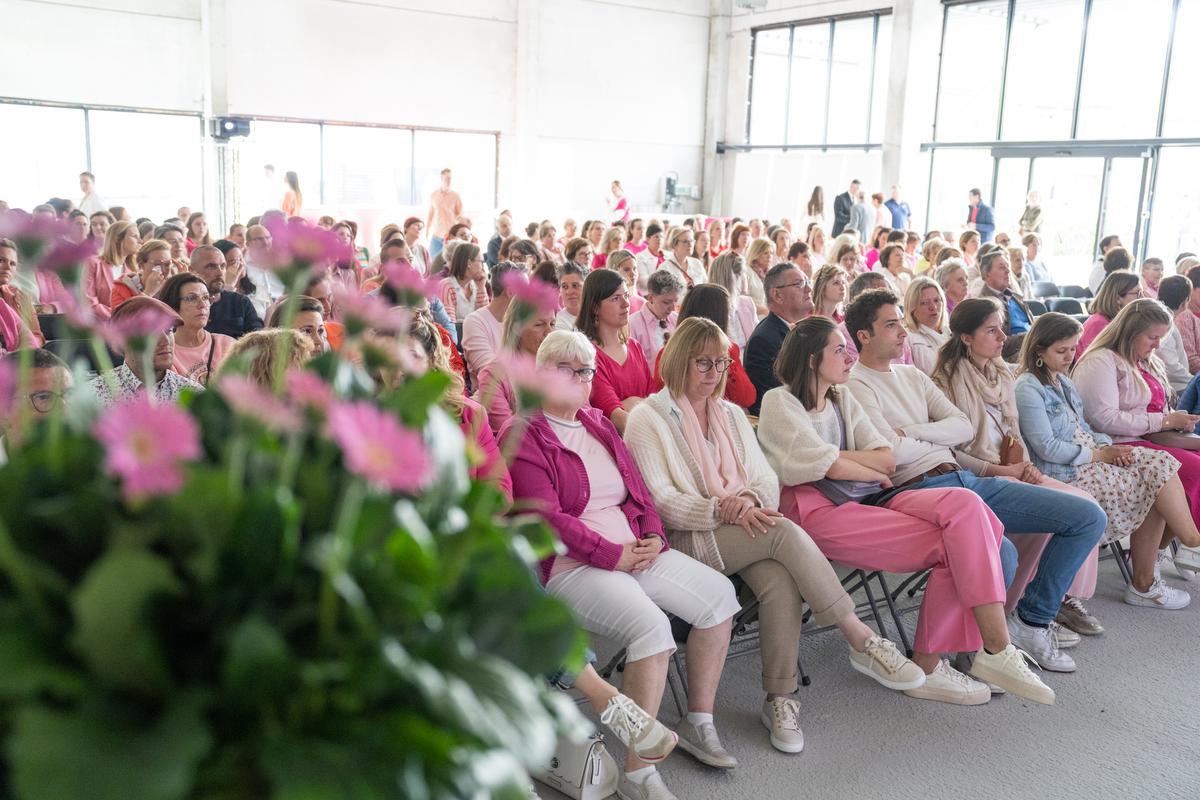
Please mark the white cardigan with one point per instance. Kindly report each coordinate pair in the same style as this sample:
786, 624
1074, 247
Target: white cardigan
792, 445
655, 438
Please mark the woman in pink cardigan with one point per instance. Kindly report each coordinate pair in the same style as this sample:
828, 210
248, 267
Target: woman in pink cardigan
1123, 385
617, 573
121, 244
622, 375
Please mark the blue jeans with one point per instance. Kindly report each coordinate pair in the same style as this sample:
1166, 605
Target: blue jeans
435, 246
1076, 524
1008, 561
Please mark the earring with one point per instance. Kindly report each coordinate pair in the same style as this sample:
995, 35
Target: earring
1039, 363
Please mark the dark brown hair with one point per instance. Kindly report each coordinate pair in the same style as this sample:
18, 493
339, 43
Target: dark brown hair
1047, 329
598, 286
800, 357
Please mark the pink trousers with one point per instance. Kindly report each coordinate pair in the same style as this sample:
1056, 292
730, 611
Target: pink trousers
950, 531
1029, 552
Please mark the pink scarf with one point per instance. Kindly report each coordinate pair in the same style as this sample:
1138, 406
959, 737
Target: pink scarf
725, 476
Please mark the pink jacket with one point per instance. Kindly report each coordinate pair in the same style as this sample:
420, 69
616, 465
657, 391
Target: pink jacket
1189, 329
98, 282
1115, 397
555, 479
52, 292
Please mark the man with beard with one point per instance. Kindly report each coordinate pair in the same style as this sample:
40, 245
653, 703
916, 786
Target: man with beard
232, 314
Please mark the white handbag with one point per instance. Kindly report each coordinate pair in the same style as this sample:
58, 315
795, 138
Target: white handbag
581, 770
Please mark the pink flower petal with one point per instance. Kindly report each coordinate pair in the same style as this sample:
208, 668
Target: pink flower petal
378, 448
251, 400
146, 443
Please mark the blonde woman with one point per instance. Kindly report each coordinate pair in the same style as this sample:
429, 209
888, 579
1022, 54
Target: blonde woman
622, 261
727, 271
679, 261
612, 240
829, 293
716, 238
257, 354
816, 246
154, 266
846, 257
119, 256
759, 256
929, 254
926, 321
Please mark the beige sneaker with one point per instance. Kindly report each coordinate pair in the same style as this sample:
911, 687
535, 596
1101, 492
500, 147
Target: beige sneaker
947, 685
1010, 671
647, 737
883, 662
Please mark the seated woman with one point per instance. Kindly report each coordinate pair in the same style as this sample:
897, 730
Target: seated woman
728, 271
711, 302
926, 322
1122, 384
198, 353
834, 467
154, 266
718, 499
308, 318
894, 270
1174, 291
622, 374
465, 288
623, 262
829, 292
951, 275
1118, 290
258, 353
618, 574
570, 294
972, 374
652, 325
1136, 487
493, 389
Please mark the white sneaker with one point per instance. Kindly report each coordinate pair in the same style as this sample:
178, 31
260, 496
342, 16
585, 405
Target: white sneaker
1066, 637
653, 788
1159, 595
947, 685
702, 742
884, 662
1037, 642
1187, 561
649, 739
781, 717
1010, 670
962, 663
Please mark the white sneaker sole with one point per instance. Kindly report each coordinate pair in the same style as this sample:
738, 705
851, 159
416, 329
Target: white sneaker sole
653, 759
899, 686
1038, 693
951, 698
1145, 602
781, 746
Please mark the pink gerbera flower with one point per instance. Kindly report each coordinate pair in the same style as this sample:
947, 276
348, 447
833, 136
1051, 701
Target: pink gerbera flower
363, 311
534, 293
306, 388
250, 400
376, 447
410, 285
296, 243
147, 444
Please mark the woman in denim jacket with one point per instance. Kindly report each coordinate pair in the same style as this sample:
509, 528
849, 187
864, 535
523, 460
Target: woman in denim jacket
1137, 487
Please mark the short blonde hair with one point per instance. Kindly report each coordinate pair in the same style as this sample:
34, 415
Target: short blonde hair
676, 233
612, 239
691, 338
617, 257
566, 346
912, 298
758, 248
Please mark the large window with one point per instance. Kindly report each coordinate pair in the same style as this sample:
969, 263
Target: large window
972, 54
1043, 58
149, 163
44, 151
1183, 112
271, 151
368, 166
820, 82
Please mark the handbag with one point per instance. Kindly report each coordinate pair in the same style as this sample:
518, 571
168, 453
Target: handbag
581, 770
1177, 439
1012, 451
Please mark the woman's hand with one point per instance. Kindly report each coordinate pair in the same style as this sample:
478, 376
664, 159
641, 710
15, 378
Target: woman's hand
630, 558
732, 508
647, 550
1180, 421
233, 274
758, 520
630, 403
1030, 473
153, 282
1120, 455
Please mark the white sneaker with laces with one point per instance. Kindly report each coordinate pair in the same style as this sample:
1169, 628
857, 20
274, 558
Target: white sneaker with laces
649, 739
702, 742
947, 685
1039, 643
1010, 670
883, 661
1159, 595
781, 717
1187, 561
653, 788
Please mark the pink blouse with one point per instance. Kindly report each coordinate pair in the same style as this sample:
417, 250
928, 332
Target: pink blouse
1158, 397
614, 382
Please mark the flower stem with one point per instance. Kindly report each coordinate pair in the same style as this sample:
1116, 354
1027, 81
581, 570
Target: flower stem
12, 562
348, 510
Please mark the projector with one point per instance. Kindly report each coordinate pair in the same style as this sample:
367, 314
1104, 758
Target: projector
230, 127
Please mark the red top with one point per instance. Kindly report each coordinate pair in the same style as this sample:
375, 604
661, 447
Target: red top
739, 389
614, 382
599, 261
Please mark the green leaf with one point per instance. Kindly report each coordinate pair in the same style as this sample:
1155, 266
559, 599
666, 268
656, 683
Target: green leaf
259, 665
111, 607
101, 754
26, 669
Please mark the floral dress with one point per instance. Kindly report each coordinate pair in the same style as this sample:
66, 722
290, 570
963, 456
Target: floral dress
1125, 493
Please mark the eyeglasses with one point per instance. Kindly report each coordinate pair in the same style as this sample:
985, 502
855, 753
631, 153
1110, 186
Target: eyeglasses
705, 364
197, 299
802, 284
43, 402
686, 241
582, 375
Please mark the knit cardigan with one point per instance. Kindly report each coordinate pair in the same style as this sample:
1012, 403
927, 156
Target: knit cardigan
655, 437
555, 479
792, 445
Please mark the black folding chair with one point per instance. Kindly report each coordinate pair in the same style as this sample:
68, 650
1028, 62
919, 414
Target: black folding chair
1071, 290
1044, 289
1036, 307
1066, 305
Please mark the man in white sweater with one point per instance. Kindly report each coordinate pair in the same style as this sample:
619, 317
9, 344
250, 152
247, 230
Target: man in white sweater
923, 427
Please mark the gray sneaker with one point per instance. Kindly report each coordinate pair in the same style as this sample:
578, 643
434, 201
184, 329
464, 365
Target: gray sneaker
654, 788
1065, 637
1040, 643
1074, 616
702, 742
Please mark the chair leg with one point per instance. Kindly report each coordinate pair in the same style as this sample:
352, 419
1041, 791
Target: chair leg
678, 683
866, 587
1118, 554
888, 597
917, 581
804, 679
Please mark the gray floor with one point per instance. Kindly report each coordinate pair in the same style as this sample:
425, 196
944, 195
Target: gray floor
1127, 724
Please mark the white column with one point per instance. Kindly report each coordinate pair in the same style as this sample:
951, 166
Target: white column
715, 103
519, 154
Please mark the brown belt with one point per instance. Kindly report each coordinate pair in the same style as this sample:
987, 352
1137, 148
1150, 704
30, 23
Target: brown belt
940, 469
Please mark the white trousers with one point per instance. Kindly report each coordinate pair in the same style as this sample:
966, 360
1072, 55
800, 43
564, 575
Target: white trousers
629, 608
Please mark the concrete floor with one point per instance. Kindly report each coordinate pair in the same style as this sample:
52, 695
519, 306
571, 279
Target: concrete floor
1127, 725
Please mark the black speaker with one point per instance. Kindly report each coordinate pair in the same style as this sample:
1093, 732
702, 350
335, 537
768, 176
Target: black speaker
230, 127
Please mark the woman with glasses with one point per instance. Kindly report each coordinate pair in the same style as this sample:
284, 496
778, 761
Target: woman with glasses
618, 574
679, 261
198, 353
622, 374
719, 501
464, 289
579, 251
711, 302
1118, 290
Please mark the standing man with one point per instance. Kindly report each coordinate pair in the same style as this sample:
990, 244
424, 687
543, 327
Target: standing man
445, 207
841, 207
900, 210
91, 202
980, 217
862, 216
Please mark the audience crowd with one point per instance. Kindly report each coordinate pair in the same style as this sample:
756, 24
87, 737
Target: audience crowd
742, 403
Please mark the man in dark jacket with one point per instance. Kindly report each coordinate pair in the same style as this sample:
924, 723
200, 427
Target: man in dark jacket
789, 298
841, 207
980, 217
232, 313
